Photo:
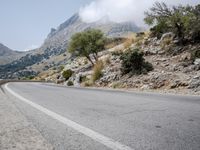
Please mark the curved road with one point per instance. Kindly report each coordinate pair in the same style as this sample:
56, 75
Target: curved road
87, 119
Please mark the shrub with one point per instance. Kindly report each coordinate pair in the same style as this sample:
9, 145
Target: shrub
116, 85
67, 74
85, 62
70, 83
31, 77
107, 60
97, 71
61, 68
88, 84
83, 79
116, 53
195, 54
166, 42
134, 63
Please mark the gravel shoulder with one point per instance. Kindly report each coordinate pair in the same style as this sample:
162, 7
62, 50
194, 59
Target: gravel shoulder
16, 133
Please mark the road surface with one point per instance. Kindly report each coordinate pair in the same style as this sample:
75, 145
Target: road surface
87, 119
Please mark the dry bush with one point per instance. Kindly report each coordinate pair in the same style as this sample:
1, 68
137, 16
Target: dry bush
113, 42
107, 60
97, 71
128, 42
88, 83
116, 85
166, 42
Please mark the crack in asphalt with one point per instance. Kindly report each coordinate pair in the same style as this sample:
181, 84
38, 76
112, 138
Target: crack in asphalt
146, 110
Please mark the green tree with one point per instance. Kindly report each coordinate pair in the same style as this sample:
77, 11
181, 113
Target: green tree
195, 25
87, 44
177, 19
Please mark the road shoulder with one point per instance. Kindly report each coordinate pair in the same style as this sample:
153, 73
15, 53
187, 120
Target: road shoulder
16, 132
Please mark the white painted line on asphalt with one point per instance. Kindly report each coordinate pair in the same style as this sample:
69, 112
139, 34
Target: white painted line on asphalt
110, 143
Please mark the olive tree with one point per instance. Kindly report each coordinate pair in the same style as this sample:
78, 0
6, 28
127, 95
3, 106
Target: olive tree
176, 19
87, 44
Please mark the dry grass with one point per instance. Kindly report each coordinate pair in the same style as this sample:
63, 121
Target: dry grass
88, 83
128, 43
97, 71
107, 60
116, 85
166, 42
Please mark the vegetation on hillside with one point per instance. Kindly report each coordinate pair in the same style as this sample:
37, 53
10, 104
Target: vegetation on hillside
97, 71
67, 74
134, 63
183, 21
87, 44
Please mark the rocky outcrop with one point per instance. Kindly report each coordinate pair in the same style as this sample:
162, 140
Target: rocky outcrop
172, 72
195, 83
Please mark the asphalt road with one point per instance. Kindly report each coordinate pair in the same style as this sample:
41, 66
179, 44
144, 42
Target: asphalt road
87, 119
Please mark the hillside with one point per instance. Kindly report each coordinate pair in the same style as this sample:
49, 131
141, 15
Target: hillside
50, 54
7, 55
164, 59
175, 71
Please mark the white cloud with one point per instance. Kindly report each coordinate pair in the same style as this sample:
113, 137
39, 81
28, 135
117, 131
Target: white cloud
122, 10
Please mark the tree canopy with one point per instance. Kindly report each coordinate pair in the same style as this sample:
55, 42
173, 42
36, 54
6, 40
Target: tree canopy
183, 21
87, 44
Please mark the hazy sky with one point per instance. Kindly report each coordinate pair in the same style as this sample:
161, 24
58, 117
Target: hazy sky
24, 24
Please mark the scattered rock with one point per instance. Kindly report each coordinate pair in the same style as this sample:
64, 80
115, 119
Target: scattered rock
178, 83
195, 83
197, 61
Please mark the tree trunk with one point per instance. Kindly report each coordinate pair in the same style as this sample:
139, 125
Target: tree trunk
95, 57
180, 33
88, 57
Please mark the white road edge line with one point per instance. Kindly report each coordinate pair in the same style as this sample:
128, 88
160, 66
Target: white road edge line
110, 143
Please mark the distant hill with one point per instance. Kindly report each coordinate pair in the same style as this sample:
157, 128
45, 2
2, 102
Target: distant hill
5, 51
7, 55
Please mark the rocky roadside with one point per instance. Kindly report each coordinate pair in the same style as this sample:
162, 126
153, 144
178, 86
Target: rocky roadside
175, 71
16, 133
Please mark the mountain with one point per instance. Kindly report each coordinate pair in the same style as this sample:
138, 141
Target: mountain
53, 50
7, 55
5, 51
61, 35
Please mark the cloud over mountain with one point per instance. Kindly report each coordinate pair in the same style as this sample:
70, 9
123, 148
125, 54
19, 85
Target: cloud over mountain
122, 10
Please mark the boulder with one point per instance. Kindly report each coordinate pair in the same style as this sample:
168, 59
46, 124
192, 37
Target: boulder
197, 61
195, 83
167, 36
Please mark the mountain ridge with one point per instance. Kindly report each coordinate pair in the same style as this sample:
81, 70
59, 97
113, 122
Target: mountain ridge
74, 24
8, 55
5, 51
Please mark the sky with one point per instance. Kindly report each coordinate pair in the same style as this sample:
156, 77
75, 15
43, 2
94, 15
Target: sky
24, 24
